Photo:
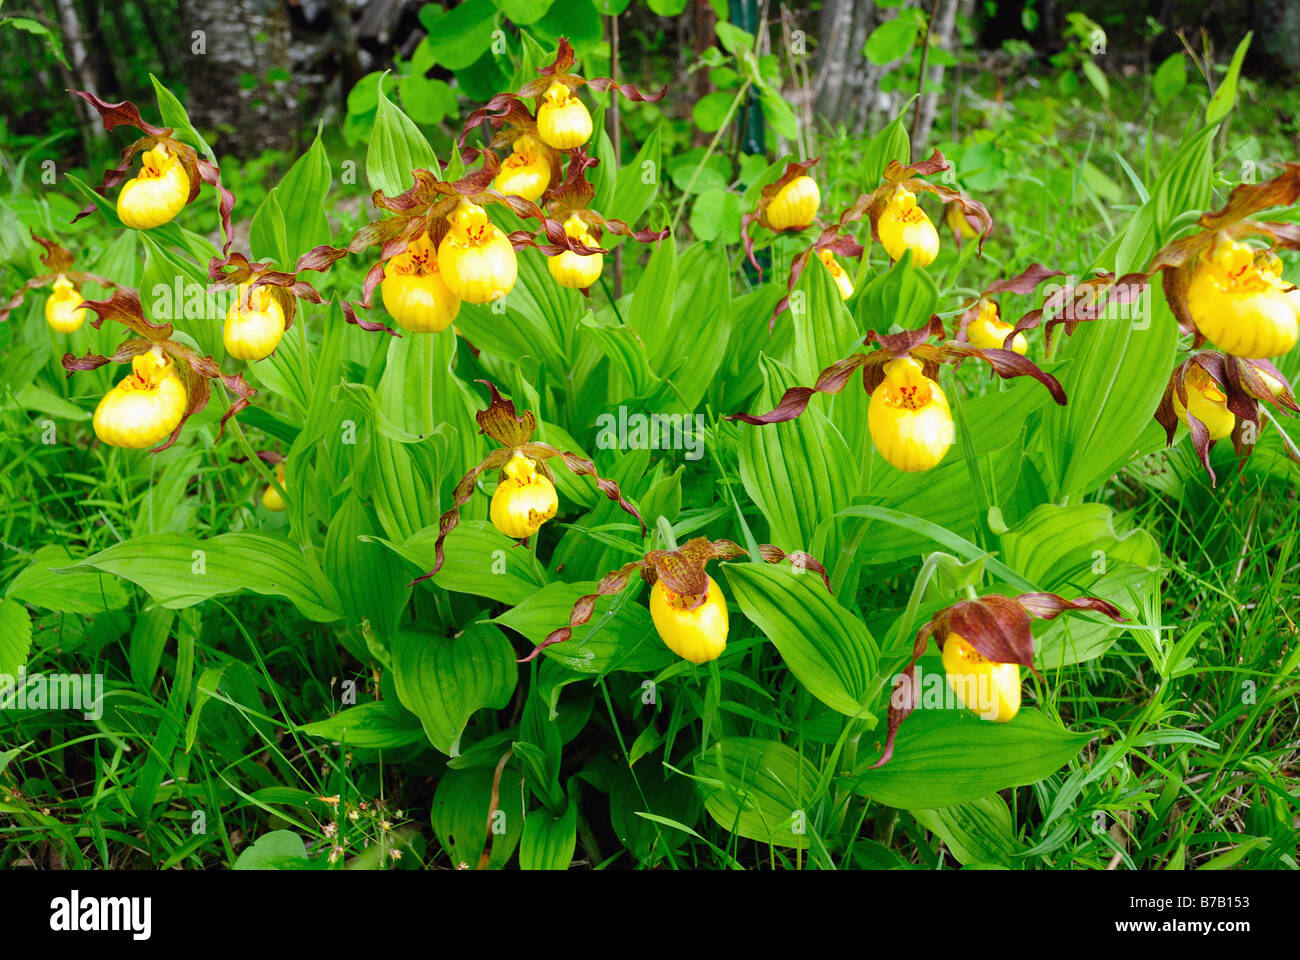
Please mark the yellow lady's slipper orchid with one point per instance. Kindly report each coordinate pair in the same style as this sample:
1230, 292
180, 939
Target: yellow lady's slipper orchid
698, 635
574, 269
1242, 307
61, 311
838, 273
524, 499
989, 688
253, 332
414, 292
562, 120
156, 194
1207, 403
904, 226
795, 205
145, 406
476, 259
526, 172
908, 417
988, 331
271, 498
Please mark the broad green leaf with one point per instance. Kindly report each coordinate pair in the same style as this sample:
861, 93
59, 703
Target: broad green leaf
795, 472
1076, 550
460, 816
277, 850
903, 296
371, 581
460, 35
174, 116
480, 560
180, 570
891, 143
1226, 95
444, 680
303, 197
639, 804
524, 12
758, 789
977, 832
619, 636
637, 183
1096, 78
891, 41
15, 636
944, 757
374, 725
396, 148
825, 646
47, 582
548, 841
1170, 77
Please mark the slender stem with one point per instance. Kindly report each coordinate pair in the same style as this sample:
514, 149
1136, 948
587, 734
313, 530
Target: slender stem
920, 81
713, 144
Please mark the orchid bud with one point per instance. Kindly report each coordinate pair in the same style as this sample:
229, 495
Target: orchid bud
988, 331
575, 269
271, 498
253, 332
838, 273
794, 205
1206, 402
475, 258
526, 172
989, 688
61, 311
414, 292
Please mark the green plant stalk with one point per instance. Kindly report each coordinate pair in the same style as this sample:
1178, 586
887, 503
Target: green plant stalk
713, 145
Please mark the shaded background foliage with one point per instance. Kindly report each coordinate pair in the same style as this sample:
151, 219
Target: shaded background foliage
271, 70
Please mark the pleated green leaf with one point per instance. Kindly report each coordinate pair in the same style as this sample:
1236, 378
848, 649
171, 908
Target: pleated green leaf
944, 757
180, 570
758, 789
828, 648
444, 680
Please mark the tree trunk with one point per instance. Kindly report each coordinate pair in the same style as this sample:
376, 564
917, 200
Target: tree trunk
75, 44
232, 88
703, 21
847, 86
941, 30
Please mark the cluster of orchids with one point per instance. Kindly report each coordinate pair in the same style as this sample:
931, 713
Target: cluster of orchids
168, 383
898, 223
1232, 294
440, 248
